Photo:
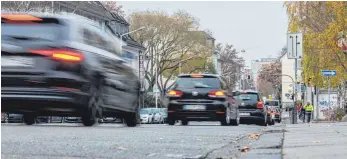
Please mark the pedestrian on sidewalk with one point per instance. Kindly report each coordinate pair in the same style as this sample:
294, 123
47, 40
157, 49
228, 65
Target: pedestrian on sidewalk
308, 111
302, 113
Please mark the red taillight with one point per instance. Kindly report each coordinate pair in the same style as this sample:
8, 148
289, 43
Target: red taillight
260, 105
170, 111
174, 93
60, 55
217, 94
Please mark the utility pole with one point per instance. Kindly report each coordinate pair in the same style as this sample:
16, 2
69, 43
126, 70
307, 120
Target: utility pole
294, 45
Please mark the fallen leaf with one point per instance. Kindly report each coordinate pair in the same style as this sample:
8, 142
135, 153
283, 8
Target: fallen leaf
253, 136
121, 148
245, 149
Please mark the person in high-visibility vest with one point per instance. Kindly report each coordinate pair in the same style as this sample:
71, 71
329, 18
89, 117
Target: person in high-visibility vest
308, 111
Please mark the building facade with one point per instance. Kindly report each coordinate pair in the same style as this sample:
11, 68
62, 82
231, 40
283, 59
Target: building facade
288, 66
256, 67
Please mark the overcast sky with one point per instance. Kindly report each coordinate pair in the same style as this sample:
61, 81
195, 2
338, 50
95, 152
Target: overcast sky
258, 27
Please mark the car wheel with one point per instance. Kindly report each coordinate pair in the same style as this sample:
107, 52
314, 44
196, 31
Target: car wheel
131, 119
279, 121
171, 121
29, 119
235, 122
184, 122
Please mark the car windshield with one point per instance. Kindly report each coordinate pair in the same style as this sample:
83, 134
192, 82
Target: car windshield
45, 32
188, 82
248, 97
272, 103
144, 111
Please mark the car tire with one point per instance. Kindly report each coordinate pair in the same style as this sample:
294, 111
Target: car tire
235, 122
29, 119
279, 121
171, 121
131, 119
184, 122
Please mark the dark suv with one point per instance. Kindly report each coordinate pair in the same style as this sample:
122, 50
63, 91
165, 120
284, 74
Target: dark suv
252, 109
56, 65
201, 98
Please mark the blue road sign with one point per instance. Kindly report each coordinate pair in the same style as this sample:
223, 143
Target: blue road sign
329, 73
287, 94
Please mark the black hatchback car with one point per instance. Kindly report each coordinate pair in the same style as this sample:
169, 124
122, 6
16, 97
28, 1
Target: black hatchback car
252, 109
201, 97
64, 65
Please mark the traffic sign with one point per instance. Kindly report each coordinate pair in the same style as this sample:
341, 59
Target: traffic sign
329, 73
294, 45
287, 94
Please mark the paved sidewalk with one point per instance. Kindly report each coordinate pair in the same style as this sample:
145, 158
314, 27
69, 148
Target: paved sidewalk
315, 141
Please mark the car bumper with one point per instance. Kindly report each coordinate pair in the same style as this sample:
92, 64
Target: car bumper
144, 120
213, 112
21, 100
254, 114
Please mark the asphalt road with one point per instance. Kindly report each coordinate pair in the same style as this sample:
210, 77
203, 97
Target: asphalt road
197, 140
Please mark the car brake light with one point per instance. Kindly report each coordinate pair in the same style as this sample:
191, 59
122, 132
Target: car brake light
216, 94
196, 76
60, 55
20, 17
173, 93
260, 105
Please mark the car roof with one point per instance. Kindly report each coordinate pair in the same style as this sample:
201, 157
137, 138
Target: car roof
62, 15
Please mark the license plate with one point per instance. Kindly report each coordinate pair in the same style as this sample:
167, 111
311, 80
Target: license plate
16, 61
194, 107
245, 114
273, 116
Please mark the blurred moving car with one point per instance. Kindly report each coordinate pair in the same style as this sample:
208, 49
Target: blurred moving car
275, 107
252, 109
64, 65
201, 97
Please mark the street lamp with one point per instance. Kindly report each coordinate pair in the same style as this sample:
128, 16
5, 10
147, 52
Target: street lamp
121, 36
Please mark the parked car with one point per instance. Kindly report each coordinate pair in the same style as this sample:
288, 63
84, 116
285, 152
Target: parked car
201, 97
56, 119
163, 112
252, 109
146, 116
274, 106
64, 65
13, 118
108, 120
72, 119
157, 116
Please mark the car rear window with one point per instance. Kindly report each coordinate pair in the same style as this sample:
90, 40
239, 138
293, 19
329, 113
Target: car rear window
248, 97
272, 103
31, 32
204, 82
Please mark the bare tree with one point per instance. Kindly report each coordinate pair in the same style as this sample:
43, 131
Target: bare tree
112, 6
171, 41
26, 6
231, 63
